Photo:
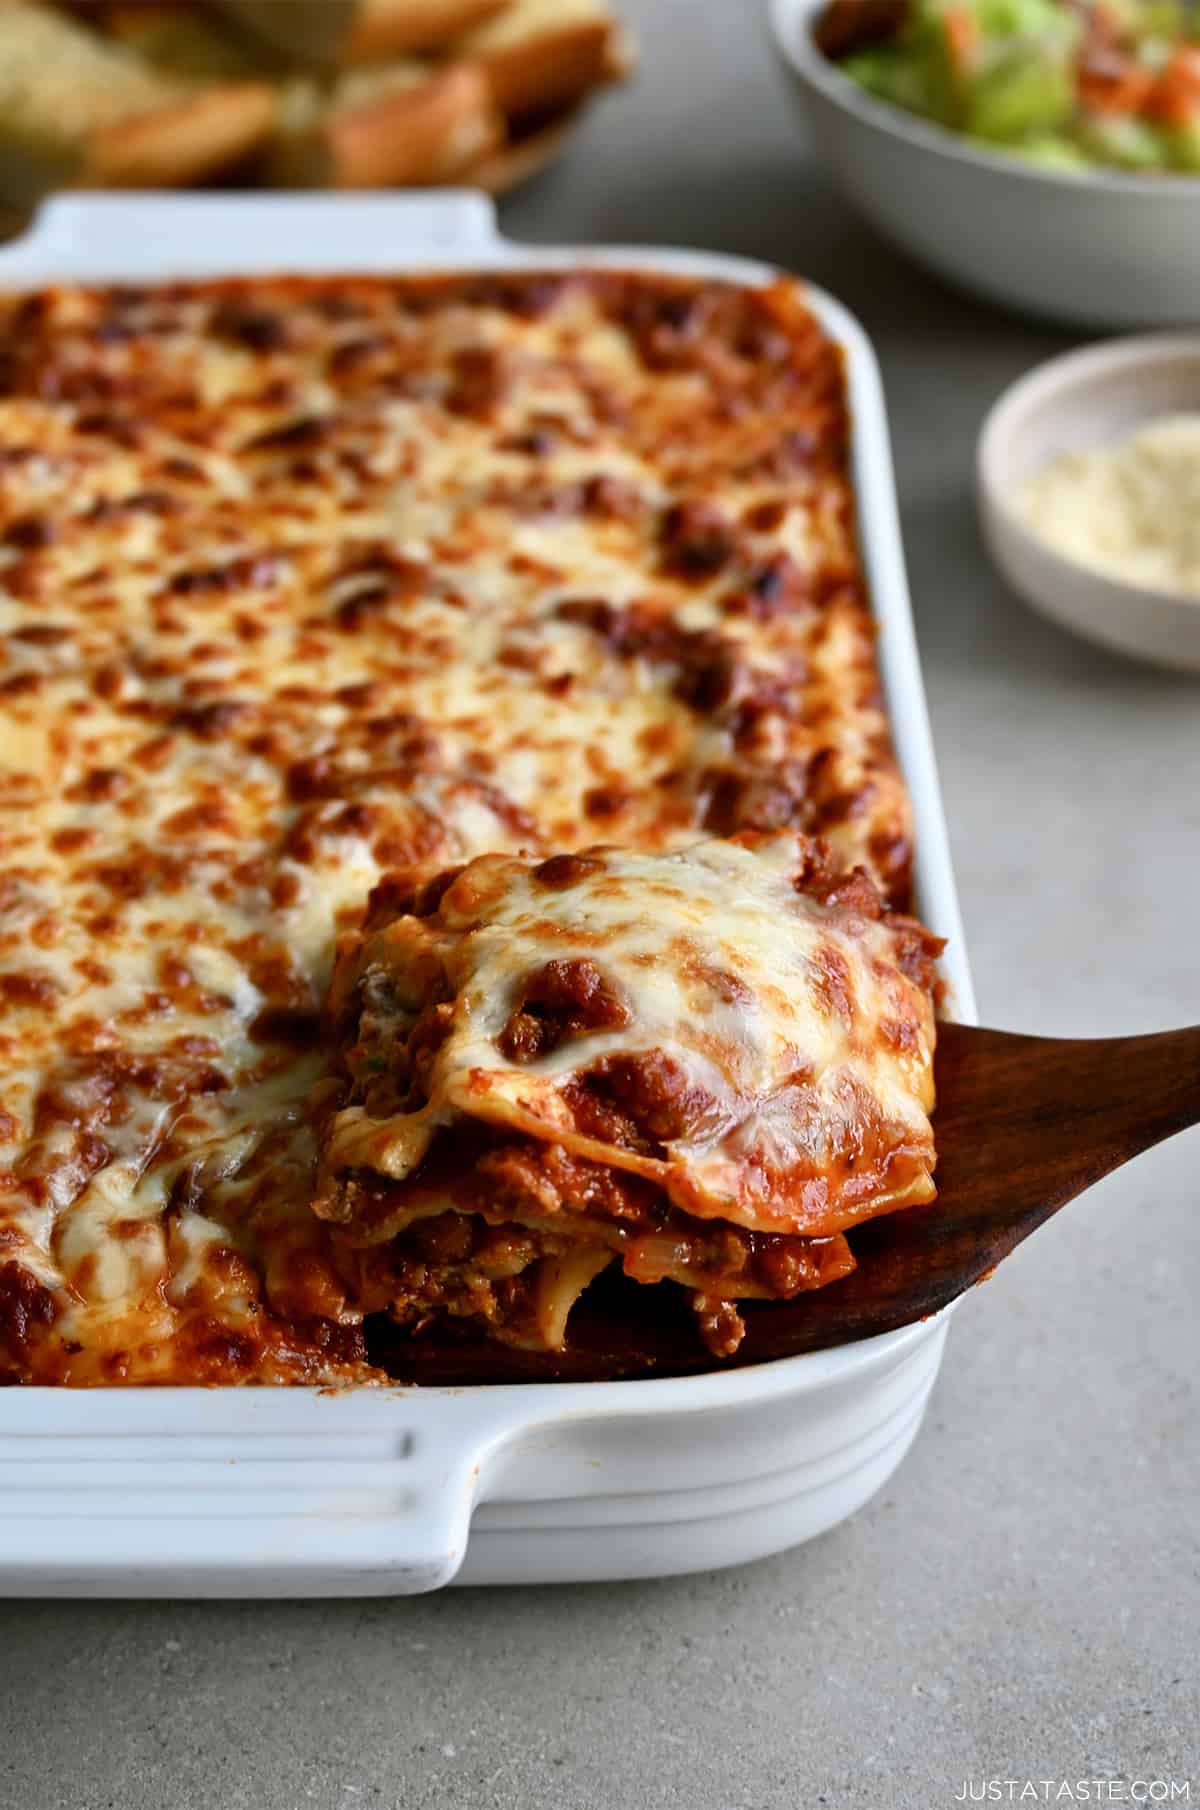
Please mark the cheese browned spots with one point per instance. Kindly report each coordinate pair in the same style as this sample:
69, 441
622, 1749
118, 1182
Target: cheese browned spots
306, 582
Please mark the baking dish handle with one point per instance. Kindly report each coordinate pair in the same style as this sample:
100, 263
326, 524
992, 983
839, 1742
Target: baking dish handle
99, 237
265, 1493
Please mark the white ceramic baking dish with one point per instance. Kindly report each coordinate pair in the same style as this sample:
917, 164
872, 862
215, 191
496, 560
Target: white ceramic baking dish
264, 1492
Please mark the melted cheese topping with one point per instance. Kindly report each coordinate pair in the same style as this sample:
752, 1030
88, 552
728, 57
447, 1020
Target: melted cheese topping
768, 1057
306, 581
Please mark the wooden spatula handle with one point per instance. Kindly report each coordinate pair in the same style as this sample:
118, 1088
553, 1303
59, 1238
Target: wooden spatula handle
1055, 1114
1023, 1124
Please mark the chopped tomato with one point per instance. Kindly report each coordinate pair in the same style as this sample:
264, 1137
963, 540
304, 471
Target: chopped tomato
1174, 99
1110, 82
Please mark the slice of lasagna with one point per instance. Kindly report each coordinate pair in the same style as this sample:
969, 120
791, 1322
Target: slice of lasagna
706, 1065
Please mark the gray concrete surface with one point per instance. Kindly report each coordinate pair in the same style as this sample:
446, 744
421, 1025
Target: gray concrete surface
1023, 1601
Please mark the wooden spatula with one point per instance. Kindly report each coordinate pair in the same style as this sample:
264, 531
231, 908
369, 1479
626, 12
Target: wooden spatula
1023, 1125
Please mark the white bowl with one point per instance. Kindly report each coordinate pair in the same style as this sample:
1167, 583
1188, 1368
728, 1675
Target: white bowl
1089, 398
1101, 248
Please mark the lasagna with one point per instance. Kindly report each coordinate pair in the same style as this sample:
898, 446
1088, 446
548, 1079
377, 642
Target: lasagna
313, 590
709, 1063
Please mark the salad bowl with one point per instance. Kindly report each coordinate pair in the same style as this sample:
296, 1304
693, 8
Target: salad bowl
1096, 247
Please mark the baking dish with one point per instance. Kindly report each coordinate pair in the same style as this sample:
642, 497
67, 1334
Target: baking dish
258, 1491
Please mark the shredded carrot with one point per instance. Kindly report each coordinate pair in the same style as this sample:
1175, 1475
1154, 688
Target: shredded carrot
962, 37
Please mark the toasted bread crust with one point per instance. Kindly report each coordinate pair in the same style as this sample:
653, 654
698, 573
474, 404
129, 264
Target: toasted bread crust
550, 71
180, 143
382, 28
516, 160
343, 32
422, 134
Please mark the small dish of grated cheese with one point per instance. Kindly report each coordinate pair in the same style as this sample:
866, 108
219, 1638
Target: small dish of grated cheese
1130, 510
1088, 475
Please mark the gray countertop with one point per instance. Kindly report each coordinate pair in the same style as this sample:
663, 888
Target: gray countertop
1023, 1599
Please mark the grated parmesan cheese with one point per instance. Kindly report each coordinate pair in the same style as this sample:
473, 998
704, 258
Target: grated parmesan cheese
1131, 510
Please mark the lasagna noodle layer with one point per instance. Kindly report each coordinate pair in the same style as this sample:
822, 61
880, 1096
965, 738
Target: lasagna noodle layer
509, 1234
308, 581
